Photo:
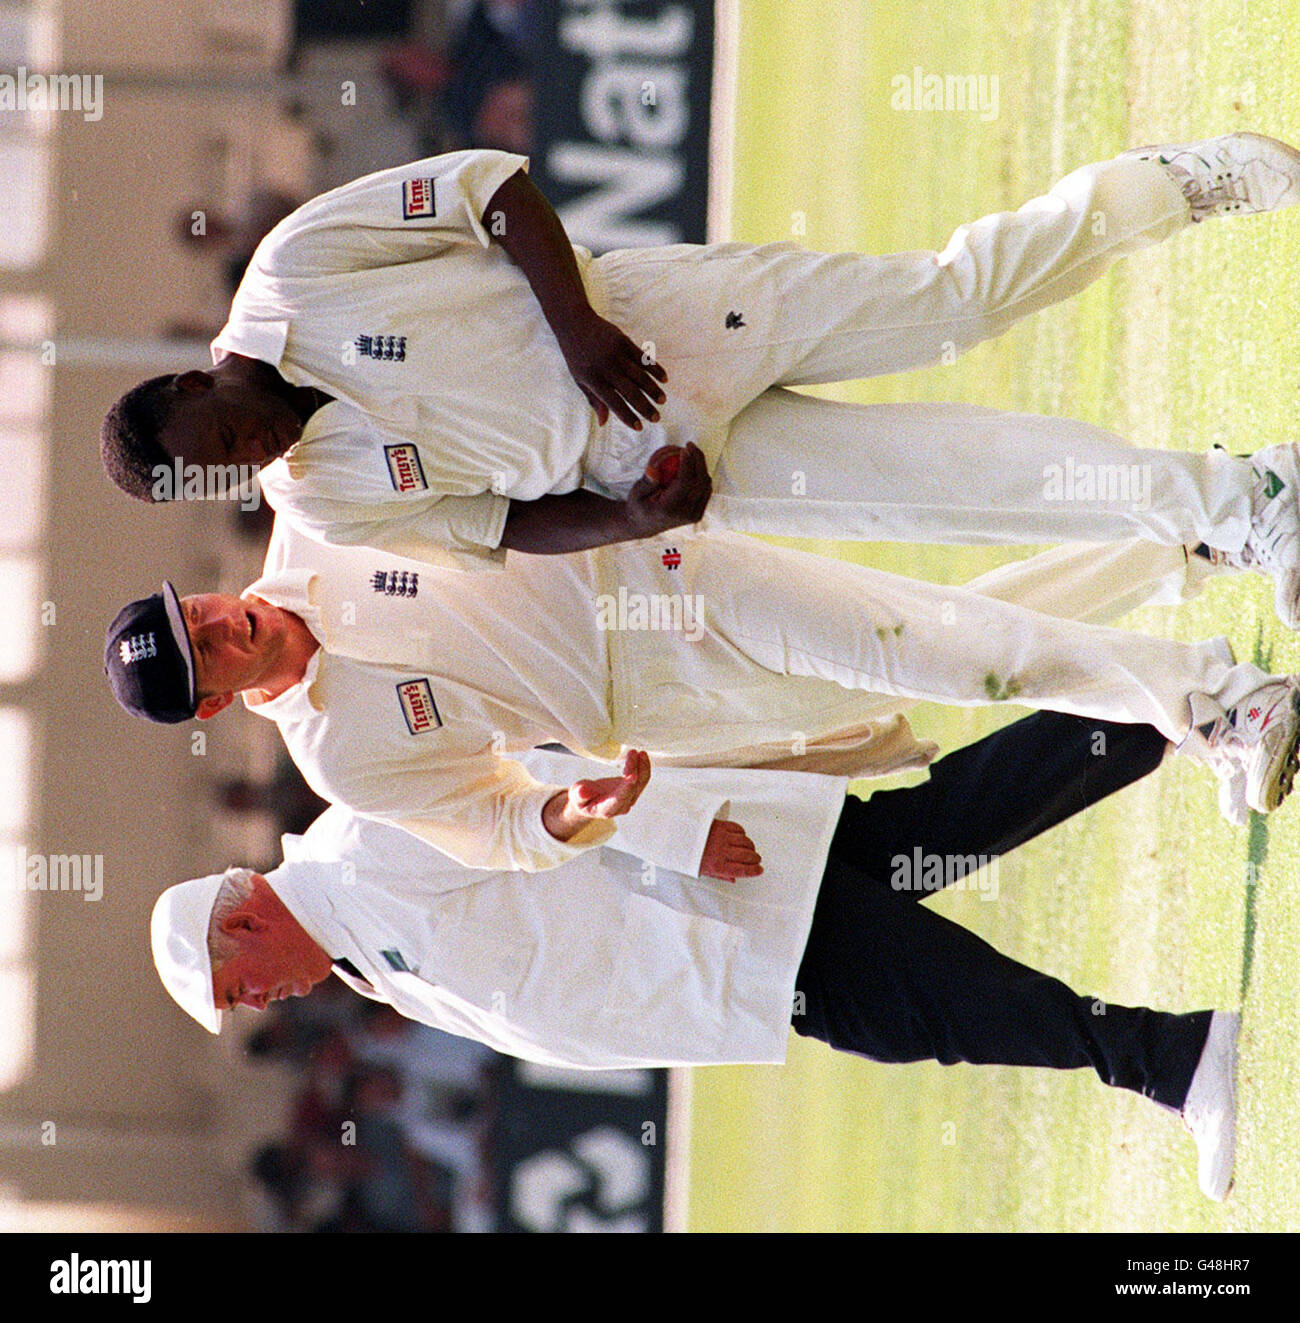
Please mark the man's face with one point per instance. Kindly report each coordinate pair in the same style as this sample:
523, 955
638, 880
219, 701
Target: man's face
227, 422
237, 641
276, 958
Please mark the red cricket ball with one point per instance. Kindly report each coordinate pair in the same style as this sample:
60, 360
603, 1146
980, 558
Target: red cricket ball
668, 466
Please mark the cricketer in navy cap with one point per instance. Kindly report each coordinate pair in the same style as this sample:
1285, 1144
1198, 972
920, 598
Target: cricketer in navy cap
149, 660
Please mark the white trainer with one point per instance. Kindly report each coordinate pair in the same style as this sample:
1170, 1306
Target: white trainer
1273, 543
1238, 174
1210, 1111
1258, 738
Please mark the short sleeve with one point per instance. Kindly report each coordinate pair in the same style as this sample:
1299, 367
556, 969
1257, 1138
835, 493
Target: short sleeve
393, 216
450, 532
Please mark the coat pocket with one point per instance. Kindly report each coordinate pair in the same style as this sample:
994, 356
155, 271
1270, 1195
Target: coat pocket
672, 978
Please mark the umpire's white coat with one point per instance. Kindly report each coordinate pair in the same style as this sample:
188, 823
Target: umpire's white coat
601, 962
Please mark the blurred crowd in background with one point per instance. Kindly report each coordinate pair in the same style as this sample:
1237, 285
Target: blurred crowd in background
389, 1127
434, 76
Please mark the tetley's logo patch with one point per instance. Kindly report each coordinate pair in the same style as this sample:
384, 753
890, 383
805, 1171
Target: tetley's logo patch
405, 471
417, 199
418, 707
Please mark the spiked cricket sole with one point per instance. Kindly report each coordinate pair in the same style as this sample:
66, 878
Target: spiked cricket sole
1279, 776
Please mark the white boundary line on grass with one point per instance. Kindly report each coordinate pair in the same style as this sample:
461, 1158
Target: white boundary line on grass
722, 141
722, 128
677, 1159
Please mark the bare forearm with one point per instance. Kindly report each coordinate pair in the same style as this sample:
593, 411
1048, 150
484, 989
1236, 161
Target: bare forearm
614, 374
526, 226
574, 521
567, 812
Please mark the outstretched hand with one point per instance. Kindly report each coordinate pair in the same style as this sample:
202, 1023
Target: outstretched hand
611, 370
612, 796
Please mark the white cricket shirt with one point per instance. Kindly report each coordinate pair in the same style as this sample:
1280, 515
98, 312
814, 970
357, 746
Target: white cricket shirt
426, 679
390, 295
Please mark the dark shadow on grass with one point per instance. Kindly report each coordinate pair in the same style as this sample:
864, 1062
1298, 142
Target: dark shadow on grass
1256, 854
1256, 849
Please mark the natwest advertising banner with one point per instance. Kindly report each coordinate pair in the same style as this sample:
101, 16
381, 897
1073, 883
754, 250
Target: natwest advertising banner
622, 119
580, 1150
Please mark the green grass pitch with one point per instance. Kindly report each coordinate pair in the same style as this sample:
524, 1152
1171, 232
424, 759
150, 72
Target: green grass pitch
1150, 899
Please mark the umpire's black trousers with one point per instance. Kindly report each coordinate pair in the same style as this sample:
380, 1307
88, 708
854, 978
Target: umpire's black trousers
889, 979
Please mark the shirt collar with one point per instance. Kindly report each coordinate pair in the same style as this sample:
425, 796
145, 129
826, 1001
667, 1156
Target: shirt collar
265, 340
290, 588
311, 890
295, 704
304, 886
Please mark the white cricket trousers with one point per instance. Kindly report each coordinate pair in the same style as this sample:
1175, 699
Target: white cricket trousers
782, 633
734, 325
796, 614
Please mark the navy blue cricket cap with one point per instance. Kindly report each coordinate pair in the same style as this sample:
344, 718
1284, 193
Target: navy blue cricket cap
149, 660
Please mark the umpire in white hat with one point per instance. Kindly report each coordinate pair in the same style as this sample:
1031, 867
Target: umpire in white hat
609, 962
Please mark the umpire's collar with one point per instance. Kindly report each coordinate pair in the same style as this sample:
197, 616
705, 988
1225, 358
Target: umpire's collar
304, 885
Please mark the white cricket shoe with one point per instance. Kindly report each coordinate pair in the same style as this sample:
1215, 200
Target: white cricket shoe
1258, 740
1273, 543
1210, 1111
1237, 174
